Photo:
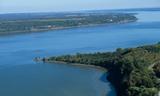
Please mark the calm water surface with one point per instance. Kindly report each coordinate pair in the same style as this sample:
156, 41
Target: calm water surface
21, 76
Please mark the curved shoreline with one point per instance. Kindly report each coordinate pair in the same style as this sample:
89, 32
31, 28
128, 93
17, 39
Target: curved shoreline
86, 66
78, 64
44, 60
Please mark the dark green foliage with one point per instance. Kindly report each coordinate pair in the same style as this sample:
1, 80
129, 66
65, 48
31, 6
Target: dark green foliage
156, 68
133, 71
142, 91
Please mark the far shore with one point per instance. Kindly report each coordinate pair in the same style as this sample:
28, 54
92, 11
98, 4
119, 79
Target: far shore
61, 28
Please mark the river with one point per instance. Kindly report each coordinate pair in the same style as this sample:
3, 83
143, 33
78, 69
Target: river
21, 76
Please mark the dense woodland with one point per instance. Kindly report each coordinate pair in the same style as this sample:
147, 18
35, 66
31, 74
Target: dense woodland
133, 71
17, 23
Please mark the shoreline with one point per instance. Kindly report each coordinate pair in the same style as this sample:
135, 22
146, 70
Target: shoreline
101, 68
74, 64
88, 67
63, 28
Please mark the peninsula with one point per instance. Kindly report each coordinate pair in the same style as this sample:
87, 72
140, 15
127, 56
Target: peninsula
133, 71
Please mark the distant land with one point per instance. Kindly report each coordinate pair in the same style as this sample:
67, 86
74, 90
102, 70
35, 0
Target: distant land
130, 9
36, 22
13, 16
46, 21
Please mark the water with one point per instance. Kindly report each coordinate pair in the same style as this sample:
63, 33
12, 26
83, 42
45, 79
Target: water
21, 76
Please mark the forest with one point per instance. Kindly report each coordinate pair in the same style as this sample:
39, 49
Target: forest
133, 71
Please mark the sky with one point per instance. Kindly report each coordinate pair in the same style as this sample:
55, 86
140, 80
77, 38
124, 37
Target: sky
21, 6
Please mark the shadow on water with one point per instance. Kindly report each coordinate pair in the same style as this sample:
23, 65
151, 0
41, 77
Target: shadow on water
103, 78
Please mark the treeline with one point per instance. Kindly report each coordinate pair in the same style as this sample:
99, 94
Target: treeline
133, 71
55, 22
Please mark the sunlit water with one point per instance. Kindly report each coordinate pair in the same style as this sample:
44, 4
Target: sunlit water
21, 76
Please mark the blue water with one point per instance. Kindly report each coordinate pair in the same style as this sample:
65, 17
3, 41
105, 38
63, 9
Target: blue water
21, 76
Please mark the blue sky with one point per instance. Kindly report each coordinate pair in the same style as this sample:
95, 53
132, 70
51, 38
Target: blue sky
18, 6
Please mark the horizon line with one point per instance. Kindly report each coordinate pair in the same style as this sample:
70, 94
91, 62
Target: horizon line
84, 10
